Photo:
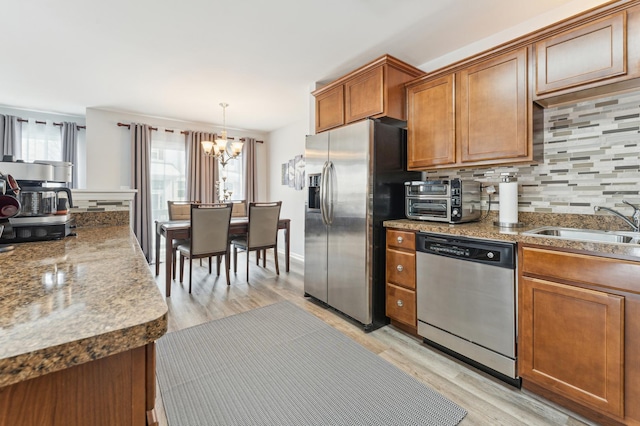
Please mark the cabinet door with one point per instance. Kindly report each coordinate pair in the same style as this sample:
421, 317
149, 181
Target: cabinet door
431, 124
572, 341
591, 52
493, 109
364, 95
330, 109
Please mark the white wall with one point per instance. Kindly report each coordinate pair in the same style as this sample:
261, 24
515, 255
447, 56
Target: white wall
534, 24
283, 145
109, 147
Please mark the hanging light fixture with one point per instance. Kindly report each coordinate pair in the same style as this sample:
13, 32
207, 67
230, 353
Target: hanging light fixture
221, 149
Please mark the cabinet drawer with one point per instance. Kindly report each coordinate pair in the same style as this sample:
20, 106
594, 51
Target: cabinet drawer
401, 268
580, 268
401, 304
401, 239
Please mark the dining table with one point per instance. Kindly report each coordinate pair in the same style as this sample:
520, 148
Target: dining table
181, 230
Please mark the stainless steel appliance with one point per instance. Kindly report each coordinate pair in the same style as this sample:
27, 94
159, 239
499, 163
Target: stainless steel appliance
447, 200
355, 176
466, 300
44, 198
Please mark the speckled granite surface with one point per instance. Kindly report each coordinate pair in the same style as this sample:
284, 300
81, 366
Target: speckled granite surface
70, 301
102, 218
486, 229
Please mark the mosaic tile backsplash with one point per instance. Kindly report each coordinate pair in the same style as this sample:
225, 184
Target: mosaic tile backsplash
591, 157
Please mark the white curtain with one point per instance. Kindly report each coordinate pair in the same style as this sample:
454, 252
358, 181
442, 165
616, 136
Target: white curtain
141, 180
40, 141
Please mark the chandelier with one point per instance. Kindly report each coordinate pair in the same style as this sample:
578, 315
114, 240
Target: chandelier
221, 149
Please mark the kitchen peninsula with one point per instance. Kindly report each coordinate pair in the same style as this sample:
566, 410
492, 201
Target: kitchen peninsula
78, 322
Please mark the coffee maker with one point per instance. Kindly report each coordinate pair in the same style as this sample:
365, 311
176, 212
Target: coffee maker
44, 198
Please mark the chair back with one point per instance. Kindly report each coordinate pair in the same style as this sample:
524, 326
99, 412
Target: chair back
239, 208
210, 228
180, 210
263, 224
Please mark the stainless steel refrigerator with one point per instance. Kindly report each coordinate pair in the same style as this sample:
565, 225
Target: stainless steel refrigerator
355, 180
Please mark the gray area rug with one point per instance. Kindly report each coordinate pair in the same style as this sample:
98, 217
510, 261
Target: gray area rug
279, 365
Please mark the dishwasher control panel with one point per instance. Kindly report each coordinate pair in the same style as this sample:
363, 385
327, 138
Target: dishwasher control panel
496, 253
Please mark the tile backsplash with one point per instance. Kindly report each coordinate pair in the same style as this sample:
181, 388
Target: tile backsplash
591, 157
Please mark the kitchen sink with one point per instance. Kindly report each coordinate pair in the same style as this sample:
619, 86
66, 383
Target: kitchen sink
585, 235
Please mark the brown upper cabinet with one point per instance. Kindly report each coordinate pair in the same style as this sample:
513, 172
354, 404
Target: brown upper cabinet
431, 123
479, 115
591, 56
374, 90
588, 53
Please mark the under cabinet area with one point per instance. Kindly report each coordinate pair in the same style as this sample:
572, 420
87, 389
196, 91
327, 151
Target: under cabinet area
401, 278
374, 90
579, 328
479, 115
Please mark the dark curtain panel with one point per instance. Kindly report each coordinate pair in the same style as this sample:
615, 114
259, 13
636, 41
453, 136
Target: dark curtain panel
141, 180
10, 136
249, 170
70, 148
202, 170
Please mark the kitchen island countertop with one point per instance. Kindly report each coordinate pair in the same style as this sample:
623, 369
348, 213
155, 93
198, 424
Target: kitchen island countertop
70, 301
486, 229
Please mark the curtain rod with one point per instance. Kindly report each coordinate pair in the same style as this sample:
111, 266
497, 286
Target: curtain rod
184, 132
44, 122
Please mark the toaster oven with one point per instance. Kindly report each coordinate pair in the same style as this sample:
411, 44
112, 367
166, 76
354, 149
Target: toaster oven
445, 200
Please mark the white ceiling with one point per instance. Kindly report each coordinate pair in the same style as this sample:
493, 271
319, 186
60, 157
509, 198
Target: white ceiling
180, 58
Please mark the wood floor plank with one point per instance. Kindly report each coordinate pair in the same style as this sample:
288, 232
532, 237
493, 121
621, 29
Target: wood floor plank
488, 400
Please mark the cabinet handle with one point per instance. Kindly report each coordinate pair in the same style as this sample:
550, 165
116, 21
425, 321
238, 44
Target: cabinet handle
400, 303
400, 240
399, 268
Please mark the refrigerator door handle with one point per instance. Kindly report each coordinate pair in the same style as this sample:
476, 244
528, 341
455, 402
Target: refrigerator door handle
331, 191
323, 193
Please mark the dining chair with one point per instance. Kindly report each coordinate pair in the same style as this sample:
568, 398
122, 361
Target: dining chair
239, 208
262, 233
178, 210
209, 237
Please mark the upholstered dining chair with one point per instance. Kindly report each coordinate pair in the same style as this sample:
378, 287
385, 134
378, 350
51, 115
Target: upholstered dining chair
262, 233
209, 237
239, 208
178, 210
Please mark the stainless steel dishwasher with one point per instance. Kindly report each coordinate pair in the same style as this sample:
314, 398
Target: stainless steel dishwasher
466, 300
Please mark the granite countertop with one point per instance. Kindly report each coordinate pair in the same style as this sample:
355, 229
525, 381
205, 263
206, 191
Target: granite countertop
67, 302
486, 229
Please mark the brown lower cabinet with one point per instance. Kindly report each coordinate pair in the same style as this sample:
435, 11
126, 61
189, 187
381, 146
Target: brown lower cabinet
401, 279
115, 390
579, 332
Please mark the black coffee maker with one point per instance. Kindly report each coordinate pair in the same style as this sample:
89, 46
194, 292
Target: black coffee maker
44, 198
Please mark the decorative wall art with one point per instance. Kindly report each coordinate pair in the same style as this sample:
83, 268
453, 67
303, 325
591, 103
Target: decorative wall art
292, 173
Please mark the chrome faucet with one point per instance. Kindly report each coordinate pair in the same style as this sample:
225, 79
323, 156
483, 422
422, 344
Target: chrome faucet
635, 224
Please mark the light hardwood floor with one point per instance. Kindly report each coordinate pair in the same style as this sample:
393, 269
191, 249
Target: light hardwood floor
487, 400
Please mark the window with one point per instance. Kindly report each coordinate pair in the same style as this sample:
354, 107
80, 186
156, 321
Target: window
168, 171
41, 141
233, 172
